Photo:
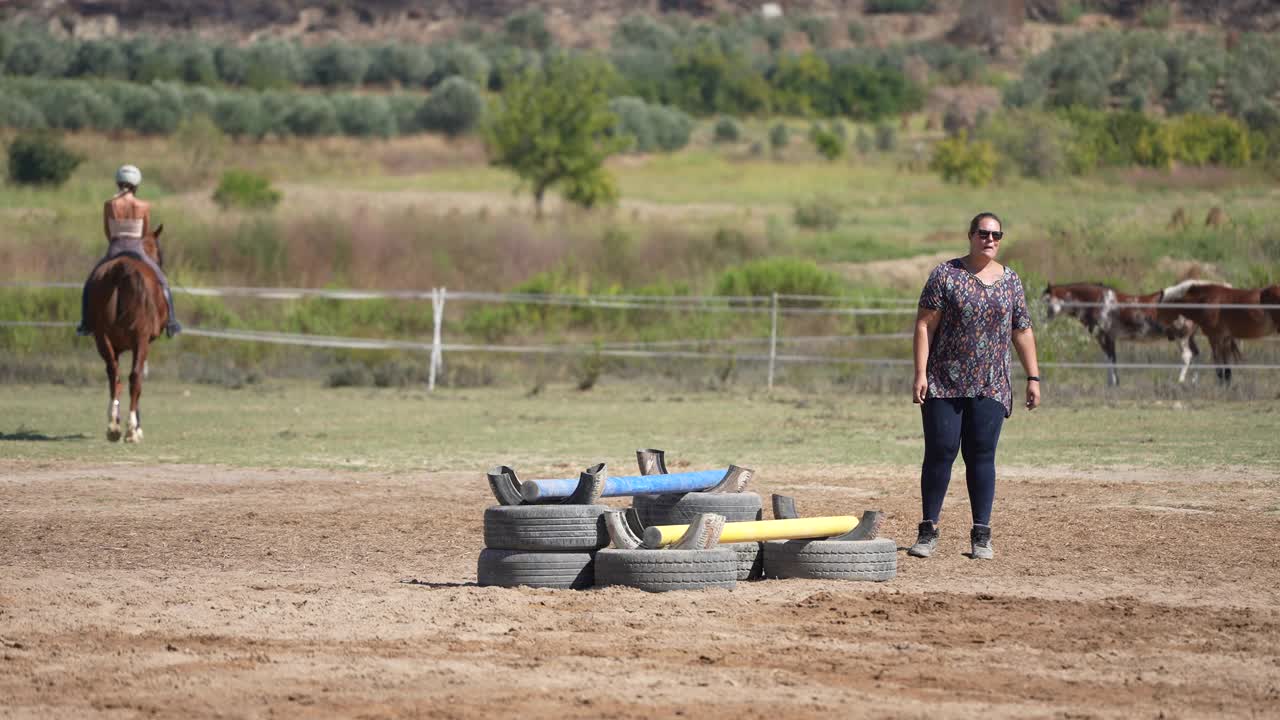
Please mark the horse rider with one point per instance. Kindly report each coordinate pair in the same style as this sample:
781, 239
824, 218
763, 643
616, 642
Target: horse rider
126, 220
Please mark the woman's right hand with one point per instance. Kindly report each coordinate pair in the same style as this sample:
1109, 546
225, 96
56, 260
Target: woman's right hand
920, 388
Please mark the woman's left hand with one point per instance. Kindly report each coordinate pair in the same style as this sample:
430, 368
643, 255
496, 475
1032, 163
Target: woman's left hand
1033, 394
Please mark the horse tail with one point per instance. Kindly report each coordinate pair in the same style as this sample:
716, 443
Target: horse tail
135, 306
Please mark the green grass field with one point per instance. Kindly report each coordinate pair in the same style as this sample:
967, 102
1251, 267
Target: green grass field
561, 430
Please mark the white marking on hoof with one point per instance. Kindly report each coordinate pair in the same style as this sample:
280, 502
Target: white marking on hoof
135, 433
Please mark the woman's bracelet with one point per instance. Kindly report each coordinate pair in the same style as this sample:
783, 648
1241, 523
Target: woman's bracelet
1033, 377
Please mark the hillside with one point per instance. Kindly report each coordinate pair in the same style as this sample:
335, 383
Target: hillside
576, 22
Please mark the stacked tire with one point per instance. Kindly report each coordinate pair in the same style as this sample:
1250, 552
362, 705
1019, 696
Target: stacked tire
866, 560
684, 508
549, 546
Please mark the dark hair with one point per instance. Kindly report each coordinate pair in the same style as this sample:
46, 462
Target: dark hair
973, 224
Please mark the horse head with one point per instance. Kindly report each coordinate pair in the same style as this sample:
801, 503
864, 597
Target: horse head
151, 244
1052, 299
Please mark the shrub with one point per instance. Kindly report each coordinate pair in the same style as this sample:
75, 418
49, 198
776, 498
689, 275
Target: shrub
960, 160
634, 121
779, 136
150, 61
240, 115
453, 108
864, 142
1209, 140
337, 64
75, 106
857, 32
528, 29
310, 116
816, 28
783, 275
364, 116
726, 130
33, 52
642, 30
273, 64
1158, 16
16, 112
232, 63
100, 58
408, 65
198, 64
897, 6
1033, 144
828, 143
463, 61
39, 158
405, 110
886, 137
819, 213
243, 189
672, 127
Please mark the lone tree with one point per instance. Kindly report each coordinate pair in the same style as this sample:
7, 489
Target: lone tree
552, 127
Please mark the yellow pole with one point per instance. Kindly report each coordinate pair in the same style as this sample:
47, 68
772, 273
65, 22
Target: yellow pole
761, 530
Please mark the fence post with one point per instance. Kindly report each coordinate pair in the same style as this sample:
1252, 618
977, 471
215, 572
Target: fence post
437, 348
773, 337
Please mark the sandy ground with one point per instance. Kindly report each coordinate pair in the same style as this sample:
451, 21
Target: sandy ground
180, 591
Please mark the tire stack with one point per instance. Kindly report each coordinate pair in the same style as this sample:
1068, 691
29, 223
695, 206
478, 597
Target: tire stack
867, 560
548, 546
686, 507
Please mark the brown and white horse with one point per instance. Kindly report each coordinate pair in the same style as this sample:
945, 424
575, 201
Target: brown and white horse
1224, 325
1104, 313
127, 311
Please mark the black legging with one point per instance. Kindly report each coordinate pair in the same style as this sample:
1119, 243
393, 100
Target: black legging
972, 427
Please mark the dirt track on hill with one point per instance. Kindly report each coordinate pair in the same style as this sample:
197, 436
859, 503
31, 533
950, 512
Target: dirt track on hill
180, 591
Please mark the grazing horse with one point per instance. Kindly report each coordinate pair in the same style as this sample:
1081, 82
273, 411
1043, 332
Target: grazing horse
1106, 317
1224, 325
127, 310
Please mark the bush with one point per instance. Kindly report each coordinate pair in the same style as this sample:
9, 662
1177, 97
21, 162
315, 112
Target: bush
243, 189
1158, 16
198, 64
337, 64
273, 64
827, 142
463, 61
75, 106
959, 160
232, 63
634, 121
857, 32
405, 110
240, 115
886, 137
1036, 145
864, 142
33, 52
528, 29
364, 116
100, 58
310, 116
644, 31
672, 127
40, 159
408, 65
897, 6
727, 130
1209, 140
779, 136
819, 213
17, 113
453, 108
782, 275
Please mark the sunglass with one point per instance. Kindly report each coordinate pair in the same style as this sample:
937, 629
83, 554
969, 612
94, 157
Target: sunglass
993, 234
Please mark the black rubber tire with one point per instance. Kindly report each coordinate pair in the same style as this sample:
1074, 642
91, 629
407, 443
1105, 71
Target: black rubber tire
510, 568
682, 509
663, 570
750, 559
545, 527
870, 560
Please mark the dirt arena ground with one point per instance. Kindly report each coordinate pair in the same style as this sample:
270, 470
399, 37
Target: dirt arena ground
179, 591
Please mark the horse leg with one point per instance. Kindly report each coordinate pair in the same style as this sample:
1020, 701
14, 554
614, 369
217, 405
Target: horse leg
135, 391
1108, 343
112, 360
1186, 359
1222, 357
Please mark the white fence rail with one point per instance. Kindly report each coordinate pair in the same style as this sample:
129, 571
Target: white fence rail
776, 306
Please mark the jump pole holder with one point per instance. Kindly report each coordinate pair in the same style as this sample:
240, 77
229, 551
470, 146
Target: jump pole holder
626, 532
594, 483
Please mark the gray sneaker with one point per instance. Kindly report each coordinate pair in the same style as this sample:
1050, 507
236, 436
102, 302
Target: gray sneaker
926, 541
980, 541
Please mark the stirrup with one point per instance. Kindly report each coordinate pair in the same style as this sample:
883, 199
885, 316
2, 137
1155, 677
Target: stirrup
172, 328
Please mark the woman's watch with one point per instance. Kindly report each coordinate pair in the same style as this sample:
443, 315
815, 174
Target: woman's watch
1033, 377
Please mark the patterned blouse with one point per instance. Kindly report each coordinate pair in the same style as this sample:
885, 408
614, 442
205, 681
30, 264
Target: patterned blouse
969, 356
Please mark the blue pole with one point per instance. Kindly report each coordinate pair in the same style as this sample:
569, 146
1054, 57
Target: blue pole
534, 490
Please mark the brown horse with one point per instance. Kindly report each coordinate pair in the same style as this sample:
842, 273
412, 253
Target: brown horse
126, 312
1224, 325
1105, 314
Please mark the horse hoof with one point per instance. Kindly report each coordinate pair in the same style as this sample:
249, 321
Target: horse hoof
113, 433
134, 436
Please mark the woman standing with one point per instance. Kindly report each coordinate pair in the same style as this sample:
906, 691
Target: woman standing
971, 308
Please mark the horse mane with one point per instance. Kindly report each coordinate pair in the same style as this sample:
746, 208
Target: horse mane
1174, 293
